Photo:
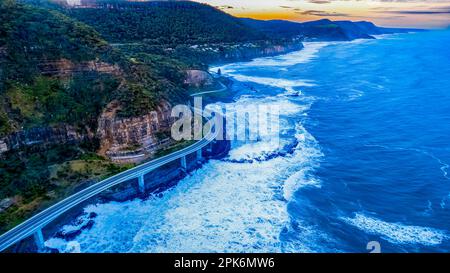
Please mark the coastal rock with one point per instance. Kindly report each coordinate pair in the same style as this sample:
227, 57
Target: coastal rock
6, 203
231, 52
3, 146
133, 139
250, 50
72, 234
198, 78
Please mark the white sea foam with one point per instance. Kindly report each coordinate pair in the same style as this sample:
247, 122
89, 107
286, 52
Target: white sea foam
305, 55
298, 180
288, 85
269, 143
397, 233
281, 62
224, 206
393, 36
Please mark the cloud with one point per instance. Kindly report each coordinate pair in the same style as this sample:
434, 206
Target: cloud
421, 11
225, 7
320, 1
321, 13
440, 10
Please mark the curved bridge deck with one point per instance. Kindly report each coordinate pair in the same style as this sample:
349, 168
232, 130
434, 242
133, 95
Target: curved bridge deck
34, 225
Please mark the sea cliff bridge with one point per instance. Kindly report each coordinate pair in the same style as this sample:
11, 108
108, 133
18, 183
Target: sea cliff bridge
34, 225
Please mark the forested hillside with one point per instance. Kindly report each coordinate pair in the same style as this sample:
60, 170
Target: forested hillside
31, 38
38, 45
177, 22
57, 75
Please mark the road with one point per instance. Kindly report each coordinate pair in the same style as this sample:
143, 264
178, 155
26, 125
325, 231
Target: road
222, 88
40, 220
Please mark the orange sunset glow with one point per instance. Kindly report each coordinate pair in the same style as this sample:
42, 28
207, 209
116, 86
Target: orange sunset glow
399, 13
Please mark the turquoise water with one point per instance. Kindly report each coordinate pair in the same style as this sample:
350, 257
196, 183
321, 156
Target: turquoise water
365, 130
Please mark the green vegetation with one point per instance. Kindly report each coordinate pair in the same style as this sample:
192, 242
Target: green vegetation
152, 78
49, 101
32, 35
165, 23
5, 126
26, 172
39, 176
39, 43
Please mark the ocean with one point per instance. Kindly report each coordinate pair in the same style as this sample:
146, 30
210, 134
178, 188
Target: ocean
364, 129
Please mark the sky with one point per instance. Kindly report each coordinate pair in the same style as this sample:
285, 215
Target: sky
389, 13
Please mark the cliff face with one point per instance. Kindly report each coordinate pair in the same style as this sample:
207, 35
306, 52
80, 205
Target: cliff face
40, 136
133, 139
250, 51
198, 78
62, 133
121, 139
219, 53
64, 67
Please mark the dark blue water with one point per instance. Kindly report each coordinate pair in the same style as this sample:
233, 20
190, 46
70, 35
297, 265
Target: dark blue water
382, 119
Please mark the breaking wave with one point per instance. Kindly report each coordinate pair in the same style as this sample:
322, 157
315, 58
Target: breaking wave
397, 233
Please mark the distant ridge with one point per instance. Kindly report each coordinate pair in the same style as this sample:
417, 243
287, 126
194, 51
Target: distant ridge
323, 29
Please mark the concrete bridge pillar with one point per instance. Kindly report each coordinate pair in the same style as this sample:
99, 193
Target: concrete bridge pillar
183, 163
141, 183
39, 240
209, 148
199, 154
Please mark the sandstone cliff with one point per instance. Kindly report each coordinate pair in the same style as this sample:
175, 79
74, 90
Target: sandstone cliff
219, 53
198, 78
249, 51
64, 67
133, 139
121, 139
40, 136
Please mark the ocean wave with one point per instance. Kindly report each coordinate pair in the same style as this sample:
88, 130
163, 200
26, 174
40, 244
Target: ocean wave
308, 53
443, 165
288, 85
259, 151
270, 143
222, 207
397, 233
393, 36
301, 237
298, 180
305, 55
225, 207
